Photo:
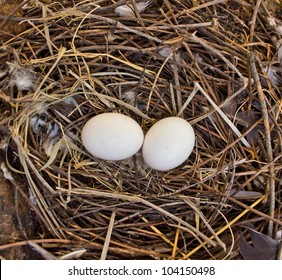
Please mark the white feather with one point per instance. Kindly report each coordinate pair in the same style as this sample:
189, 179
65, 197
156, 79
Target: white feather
37, 124
3, 73
7, 174
272, 75
278, 234
271, 21
128, 10
165, 52
42, 126
279, 54
129, 95
279, 29
22, 77
53, 130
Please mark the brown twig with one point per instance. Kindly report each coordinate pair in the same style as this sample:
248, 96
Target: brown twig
271, 185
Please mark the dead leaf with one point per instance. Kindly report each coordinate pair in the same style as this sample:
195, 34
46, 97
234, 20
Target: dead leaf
248, 195
263, 247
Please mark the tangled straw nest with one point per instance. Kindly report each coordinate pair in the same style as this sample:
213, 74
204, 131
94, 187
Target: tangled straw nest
214, 63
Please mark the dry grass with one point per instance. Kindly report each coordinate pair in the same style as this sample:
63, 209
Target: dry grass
202, 61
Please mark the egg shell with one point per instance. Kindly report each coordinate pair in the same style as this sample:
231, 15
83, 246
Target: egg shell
168, 143
112, 136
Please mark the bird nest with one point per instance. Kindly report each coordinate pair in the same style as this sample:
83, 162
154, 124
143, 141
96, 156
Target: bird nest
214, 63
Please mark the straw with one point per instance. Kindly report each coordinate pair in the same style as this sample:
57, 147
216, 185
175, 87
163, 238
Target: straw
82, 60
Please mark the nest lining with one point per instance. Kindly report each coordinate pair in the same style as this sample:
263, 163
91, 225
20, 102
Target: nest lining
197, 61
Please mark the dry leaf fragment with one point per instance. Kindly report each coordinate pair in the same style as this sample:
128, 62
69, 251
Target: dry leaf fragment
73, 255
263, 248
241, 194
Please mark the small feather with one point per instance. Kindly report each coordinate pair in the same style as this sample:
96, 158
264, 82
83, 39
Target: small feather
128, 10
165, 52
7, 174
22, 77
272, 73
278, 234
279, 54
279, 29
129, 95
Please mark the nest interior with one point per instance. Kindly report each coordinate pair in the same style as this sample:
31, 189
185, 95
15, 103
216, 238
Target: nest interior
214, 63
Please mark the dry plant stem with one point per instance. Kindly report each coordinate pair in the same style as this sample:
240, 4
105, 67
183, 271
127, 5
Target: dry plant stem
82, 242
176, 238
264, 111
44, 253
249, 208
110, 98
37, 241
108, 237
58, 58
194, 38
159, 233
48, 41
119, 25
177, 84
186, 103
279, 254
231, 233
120, 247
105, 56
78, 27
47, 213
191, 229
197, 166
243, 3
202, 6
156, 80
202, 217
225, 227
257, 212
46, 30
19, 189
115, 23
253, 21
262, 170
6, 17
232, 126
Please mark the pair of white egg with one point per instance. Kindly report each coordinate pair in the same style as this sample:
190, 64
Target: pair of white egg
113, 136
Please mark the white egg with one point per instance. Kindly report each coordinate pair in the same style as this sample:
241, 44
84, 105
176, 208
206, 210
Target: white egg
168, 143
112, 136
